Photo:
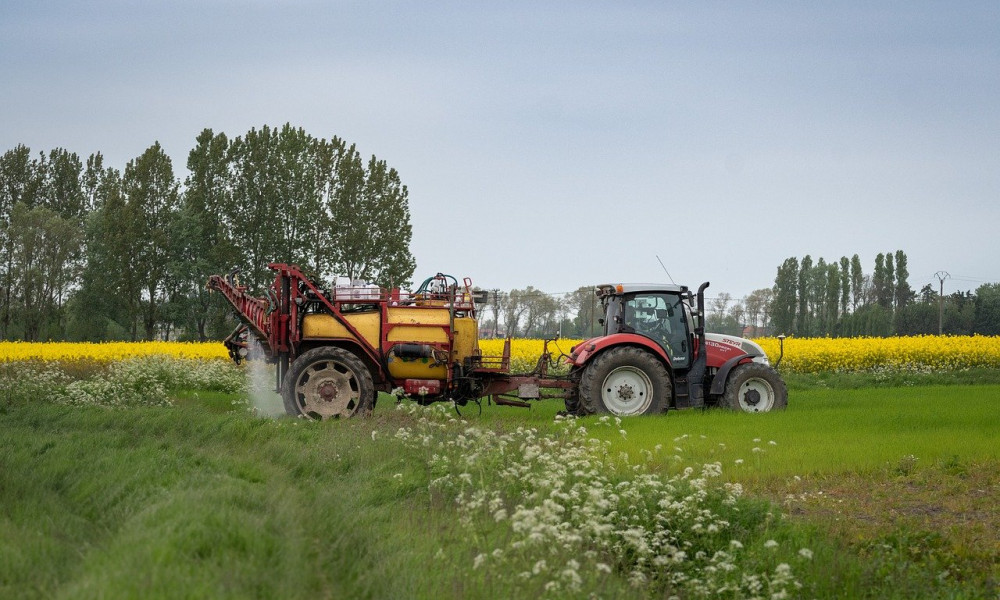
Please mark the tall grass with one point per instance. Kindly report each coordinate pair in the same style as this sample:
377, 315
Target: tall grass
197, 500
187, 503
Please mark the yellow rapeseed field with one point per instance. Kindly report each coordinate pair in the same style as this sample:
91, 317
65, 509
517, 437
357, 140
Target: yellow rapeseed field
524, 353
816, 355
802, 355
940, 353
108, 351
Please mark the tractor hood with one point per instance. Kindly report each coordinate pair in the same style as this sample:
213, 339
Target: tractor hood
723, 347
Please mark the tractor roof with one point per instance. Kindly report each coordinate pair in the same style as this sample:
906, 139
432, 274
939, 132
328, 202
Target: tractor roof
609, 289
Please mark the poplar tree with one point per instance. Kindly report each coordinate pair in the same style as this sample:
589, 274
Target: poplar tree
94, 307
19, 183
887, 291
784, 298
107, 304
857, 283
903, 294
803, 323
845, 284
199, 246
252, 220
833, 295
879, 279
152, 200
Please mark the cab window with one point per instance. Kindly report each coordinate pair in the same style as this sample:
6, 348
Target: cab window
660, 317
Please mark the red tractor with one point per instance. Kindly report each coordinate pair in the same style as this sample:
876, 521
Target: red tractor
337, 348
655, 355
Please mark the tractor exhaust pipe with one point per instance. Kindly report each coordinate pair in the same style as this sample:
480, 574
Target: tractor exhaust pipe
697, 373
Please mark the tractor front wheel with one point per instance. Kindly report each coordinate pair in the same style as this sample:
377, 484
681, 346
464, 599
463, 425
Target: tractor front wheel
328, 383
626, 382
755, 387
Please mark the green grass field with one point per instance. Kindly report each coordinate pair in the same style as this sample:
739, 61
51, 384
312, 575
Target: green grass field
892, 490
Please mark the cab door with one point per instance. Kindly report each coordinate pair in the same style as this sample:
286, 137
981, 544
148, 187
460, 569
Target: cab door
660, 316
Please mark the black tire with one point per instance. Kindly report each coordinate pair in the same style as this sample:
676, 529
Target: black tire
328, 383
755, 387
572, 402
626, 382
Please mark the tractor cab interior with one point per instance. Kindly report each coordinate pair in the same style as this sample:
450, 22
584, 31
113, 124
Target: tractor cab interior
660, 317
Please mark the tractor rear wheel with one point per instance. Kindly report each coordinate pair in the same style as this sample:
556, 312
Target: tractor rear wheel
328, 383
755, 387
625, 382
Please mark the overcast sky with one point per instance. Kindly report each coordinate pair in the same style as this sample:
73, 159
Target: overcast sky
560, 144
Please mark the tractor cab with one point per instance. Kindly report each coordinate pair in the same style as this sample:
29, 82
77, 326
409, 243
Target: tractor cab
659, 312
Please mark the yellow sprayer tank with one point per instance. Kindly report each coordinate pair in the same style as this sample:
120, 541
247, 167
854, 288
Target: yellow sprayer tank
406, 328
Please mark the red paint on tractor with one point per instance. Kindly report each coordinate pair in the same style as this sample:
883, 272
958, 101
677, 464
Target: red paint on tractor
584, 351
719, 353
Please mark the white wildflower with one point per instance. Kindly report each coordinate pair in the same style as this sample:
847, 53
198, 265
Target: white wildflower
637, 578
539, 567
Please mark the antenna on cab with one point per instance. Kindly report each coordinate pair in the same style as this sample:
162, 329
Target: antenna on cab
665, 269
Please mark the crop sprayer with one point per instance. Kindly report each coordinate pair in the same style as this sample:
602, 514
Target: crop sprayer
335, 348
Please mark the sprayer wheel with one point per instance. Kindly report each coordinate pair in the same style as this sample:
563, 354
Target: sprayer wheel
328, 383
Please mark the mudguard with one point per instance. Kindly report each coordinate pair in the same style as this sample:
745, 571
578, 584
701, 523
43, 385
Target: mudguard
722, 375
584, 351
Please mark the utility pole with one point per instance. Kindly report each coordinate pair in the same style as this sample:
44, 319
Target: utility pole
941, 275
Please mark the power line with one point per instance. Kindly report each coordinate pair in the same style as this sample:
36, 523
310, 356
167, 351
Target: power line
965, 278
971, 279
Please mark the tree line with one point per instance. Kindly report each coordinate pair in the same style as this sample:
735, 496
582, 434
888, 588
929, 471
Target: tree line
839, 299
92, 252
532, 313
